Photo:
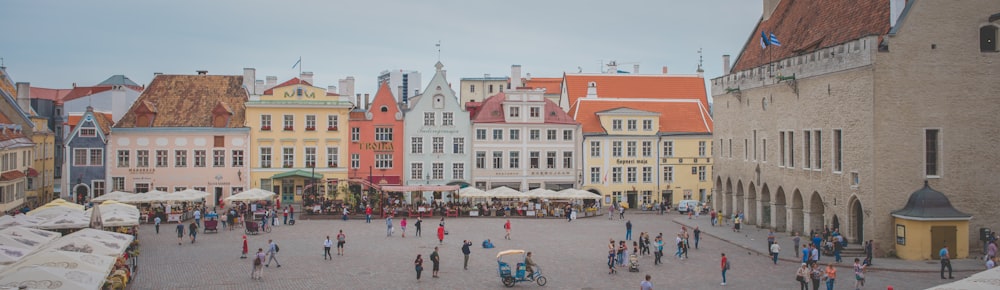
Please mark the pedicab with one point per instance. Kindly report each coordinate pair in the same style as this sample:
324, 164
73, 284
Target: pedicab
518, 275
253, 228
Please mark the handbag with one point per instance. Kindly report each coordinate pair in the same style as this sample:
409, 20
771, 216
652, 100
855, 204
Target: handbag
799, 278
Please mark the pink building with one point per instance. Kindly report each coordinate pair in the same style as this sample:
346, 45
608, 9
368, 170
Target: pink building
184, 131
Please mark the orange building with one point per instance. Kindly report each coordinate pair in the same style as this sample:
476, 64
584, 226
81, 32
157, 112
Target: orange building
376, 147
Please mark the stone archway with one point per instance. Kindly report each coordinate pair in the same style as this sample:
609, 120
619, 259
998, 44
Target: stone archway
856, 223
797, 218
718, 201
82, 193
765, 207
779, 213
728, 210
752, 205
816, 211
738, 198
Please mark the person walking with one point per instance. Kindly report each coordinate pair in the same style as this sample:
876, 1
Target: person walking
440, 234
341, 240
156, 223
368, 220
291, 212
815, 274
697, 236
869, 252
272, 251
837, 248
506, 227
197, 216
402, 226
258, 265
646, 284
831, 276
285, 217
417, 225
659, 250
436, 260
803, 276
770, 238
859, 274
466, 251
611, 260
621, 212
725, 267
418, 265
193, 231
945, 262
775, 248
628, 230
611, 210
388, 226
805, 253
715, 218
327, 244
245, 248
796, 240
180, 233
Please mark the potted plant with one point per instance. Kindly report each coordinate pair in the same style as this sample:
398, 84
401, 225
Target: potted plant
331, 128
331, 164
265, 128
310, 128
288, 128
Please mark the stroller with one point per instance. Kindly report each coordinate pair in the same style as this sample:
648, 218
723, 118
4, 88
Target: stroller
633, 263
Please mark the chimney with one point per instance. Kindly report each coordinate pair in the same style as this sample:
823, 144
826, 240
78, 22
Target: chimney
592, 90
306, 76
346, 86
357, 102
515, 76
664, 69
331, 89
725, 64
258, 87
635, 68
249, 78
367, 102
119, 103
202, 72
271, 82
24, 96
612, 67
769, 6
528, 76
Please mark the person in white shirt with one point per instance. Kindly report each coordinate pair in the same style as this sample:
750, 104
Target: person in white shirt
326, 248
156, 221
992, 262
197, 217
774, 252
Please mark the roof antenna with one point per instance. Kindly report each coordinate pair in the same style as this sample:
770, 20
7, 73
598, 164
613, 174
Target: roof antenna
700, 59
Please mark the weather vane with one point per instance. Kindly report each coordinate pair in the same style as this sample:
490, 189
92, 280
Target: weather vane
438, 45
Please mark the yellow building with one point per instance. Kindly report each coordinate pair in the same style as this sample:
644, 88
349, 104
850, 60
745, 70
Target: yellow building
41, 180
928, 223
298, 137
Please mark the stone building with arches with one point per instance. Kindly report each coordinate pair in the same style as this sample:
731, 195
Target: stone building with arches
841, 121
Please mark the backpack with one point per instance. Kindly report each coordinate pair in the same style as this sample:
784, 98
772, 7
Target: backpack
727, 265
276, 249
257, 261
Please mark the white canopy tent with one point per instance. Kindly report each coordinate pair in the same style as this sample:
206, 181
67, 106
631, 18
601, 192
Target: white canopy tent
39, 277
540, 193
93, 241
115, 214
252, 194
65, 260
187, 195
27, 238
505, 192
69, 220
147, 197
572, 193
114, 195
60, 203
12, 254
472, 192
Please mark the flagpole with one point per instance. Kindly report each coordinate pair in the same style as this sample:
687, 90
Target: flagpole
300, 70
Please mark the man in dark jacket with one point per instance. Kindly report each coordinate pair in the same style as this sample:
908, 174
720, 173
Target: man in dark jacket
466, 251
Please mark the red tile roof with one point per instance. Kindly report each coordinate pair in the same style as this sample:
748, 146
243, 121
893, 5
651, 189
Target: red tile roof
103, 120
11, 175
293, 81
806, 26
676, 116
551, 85
79, 92
637, 87
9, 134
48, 94
491, 111
188, 101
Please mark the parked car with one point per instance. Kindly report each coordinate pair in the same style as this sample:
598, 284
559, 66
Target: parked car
686, 205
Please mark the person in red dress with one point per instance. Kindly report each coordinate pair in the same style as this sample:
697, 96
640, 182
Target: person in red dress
441, 234
245, 249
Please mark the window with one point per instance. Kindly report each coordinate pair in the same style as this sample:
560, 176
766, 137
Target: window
533, 157
647, 174
702, 173
515, 159
647, 148
88, 132
534, 134
515, 134
141, 187
497, 134
855, 180
791, 149
616, 125
647, 125
355, 160
287, 157
458, 171
118, 183
988, 38
701, 149
310, 157
310, 122
763, 147
838, 159
437, 170
98, 187
332, 122
480, 159
595, 149
332, 156
383, 134
265, 122
265, 157
534, 112
472, 88
631, 125
668, 174
514, 112
79, 157
630, 148
781, 146
567, 159
819, 149
932, 151
218, 158
668, 148
355, 134
550, 135
754, 145
616, 174
616, 148
438, 145
142, 158
289, 122
180, 158
631, 174
497, 159
550, 158
383, 161
730, 148
807, 149
458, 145
161, 158
567, 135
647, 196
746, 149
595, 175
428, 118
491, 89
416, 171
448, 119
416, 145
480, 134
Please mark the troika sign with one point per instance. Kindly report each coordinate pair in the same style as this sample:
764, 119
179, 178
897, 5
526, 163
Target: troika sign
376, 146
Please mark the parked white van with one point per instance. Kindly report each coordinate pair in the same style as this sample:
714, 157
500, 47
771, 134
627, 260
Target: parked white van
685, 205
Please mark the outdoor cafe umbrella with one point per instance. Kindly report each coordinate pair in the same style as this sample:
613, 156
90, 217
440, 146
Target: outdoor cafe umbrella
95, 218
252, 195
114, 195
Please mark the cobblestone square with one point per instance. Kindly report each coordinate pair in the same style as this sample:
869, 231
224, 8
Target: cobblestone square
572, 255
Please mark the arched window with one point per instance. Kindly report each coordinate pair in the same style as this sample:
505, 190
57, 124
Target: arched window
988, 38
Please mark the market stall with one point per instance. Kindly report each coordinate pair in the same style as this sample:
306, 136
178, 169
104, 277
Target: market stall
253, 194
67, 221
114, 195
41, 277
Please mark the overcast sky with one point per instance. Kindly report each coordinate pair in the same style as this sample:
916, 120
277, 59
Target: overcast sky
57, 43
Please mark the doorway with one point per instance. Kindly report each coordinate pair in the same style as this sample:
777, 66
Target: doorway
836, 223
943, 236
632, 197
668, 197
218, 195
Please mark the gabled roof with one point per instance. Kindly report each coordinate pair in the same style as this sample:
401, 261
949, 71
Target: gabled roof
48, 94
805, 26
293, 81
491, 111
188, 100
103, 119
676, 116
6, 84
551, 85
80, 92
636, 86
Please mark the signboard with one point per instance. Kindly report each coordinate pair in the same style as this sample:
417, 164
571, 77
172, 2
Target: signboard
376, 146
900, 234
631, 161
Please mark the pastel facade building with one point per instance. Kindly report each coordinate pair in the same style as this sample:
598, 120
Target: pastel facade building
376, 140
86, 149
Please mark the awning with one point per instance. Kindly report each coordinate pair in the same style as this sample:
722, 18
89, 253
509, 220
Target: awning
32, 172
297, 173
407, 188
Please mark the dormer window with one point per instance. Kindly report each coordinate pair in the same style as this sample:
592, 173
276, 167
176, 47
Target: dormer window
88, 132
988, 38
221, 115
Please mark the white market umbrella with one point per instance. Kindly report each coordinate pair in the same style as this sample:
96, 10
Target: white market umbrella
65, 260
505, 192
93, 241
252, 195
11, 254
114, 195
39, 277
472, 192
147, 197
60, 203
26, 238
540, 193
50, 212
115, 214
70, 220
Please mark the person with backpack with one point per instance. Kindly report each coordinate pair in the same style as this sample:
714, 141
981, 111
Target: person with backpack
272, 251
725, 268
258, 262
